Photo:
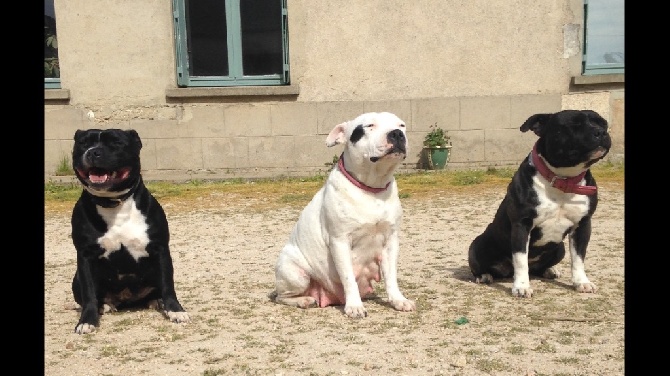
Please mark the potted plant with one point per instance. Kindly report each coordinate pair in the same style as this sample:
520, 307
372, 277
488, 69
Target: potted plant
437, 147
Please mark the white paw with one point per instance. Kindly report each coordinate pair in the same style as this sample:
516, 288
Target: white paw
355, 311
522, 291
521, 286
178, 316
107, 308
84, 329
586, 287
404, 305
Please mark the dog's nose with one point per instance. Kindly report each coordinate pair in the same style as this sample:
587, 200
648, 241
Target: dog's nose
599, 132
93, 154
396, 137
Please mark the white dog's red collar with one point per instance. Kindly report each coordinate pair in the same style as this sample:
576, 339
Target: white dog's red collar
340, 164
565, 184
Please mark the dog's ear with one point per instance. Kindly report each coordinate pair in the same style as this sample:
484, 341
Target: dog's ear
78, 134
336, 136
135, 137
595, 117
535, 123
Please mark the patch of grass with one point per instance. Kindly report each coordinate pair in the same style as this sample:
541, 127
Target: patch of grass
566, 337
491, 365
568, 360
468, 177
108, 351
584, 351
214, 372
64, 167
268, 193
516, 350
545, 347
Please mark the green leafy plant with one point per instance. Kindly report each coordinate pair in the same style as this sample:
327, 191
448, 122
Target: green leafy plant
436, 138
51, 62
64, 167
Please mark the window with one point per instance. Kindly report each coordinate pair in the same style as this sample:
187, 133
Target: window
231, 42
51, 66
603, 37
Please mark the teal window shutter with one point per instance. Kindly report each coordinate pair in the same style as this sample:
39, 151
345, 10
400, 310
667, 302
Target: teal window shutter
231, 42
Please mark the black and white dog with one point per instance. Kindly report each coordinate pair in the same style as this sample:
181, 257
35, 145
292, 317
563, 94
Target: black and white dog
552, 195
119, 230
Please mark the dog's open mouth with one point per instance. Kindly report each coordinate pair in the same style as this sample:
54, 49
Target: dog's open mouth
102, 177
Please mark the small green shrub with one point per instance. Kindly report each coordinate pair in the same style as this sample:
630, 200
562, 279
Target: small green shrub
437, 137
64, 167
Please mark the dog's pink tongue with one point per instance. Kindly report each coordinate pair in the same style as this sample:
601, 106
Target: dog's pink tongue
98, 178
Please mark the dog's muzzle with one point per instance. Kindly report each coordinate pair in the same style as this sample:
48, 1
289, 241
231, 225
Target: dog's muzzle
399, 145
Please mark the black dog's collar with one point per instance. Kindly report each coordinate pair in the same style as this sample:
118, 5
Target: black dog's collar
565, 184
112, 202
356, 182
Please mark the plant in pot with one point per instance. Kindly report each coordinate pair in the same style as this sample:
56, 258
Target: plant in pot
437, 147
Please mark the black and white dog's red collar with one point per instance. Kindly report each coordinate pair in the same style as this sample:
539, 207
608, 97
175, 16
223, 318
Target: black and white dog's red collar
565, 184
354, 181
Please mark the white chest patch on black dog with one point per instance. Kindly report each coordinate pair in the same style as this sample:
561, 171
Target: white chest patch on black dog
557, 211
127, 226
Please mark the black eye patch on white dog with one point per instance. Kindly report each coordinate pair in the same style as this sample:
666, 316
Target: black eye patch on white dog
357, 134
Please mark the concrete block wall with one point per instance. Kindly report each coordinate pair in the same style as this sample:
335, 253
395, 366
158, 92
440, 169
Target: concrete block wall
273, 139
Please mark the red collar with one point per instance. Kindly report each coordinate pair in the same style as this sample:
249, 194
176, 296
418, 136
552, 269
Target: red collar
340, 164
567, 185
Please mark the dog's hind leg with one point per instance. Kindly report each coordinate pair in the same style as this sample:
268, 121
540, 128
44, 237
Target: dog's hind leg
291, 284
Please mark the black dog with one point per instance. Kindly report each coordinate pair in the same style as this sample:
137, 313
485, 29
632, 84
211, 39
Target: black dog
119, 230
551, 196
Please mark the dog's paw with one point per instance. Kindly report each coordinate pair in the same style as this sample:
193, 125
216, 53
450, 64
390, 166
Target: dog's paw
107, 308
586, 287
551, 273
522, 292
355, 311
72, 306
84, 328
404, 305
178, 317
298, 301
484, 278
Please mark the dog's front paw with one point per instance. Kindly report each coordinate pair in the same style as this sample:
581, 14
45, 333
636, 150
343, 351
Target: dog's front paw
587, 287
484, 278
84, 328
355, 311
404, 305
178, 317
522, 290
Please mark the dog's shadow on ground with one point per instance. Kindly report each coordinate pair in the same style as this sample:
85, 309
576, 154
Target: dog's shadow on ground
464, 274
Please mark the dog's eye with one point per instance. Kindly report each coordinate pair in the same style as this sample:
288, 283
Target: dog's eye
402, 125
369, 125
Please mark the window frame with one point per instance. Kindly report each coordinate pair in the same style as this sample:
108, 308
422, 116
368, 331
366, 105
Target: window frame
235, 78
590, 68
52, 82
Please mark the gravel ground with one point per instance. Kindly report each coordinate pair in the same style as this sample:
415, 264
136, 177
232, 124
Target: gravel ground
224, 249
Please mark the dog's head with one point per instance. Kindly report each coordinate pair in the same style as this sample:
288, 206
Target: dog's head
107, 162
371, 138
570, 138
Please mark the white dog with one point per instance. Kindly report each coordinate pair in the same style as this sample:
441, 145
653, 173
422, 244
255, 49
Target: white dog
348, 233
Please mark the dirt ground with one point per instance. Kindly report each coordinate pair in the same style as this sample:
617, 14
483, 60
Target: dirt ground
224, 250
